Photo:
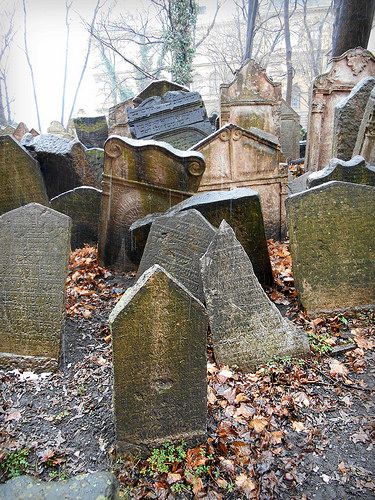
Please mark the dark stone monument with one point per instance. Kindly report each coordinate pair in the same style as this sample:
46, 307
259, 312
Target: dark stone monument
365, 143
82, 205
247, 328
159, 334
21, 181
355, 170
34, 252
240, 207
91, 131
177, 243
95, 157
331, 231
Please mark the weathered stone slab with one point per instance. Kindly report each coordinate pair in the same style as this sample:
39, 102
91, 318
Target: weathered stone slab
176, 243
290, 131
355, 170
21, 181
95, 157
331, 231
20, 131
298, 184
56, 128
247, 328
91, 131
7, 130
240, 207
140, 177
328, 89
365, 144
82, 205
63, 162
348, 117
236, 157
34, 252
159, 357
252, 100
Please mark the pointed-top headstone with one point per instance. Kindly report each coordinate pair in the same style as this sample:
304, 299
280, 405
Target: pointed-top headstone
20, 131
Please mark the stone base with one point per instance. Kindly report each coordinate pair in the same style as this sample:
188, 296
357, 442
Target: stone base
342, 310
9, 361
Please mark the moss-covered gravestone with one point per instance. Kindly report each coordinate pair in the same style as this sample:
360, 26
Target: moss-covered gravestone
355, 170
34, 251
159, 357
92, 131
331, 230
82, 205
177, 243
247, 328
21, 181
95, 157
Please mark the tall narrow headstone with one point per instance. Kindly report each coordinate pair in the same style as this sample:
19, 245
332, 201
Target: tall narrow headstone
34, 252
21, 181
355, 170
247, 328
177, 243
331, 231
95, 157
290, 132
365, 143
159, 357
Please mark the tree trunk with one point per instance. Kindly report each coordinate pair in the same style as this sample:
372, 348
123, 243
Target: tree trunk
2, 110
67, 26
352, 25
252, 11
288, 55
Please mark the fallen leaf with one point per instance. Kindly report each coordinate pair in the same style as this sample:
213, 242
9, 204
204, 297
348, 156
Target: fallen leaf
258, 423
15, 415
298, 426
337, 368
342, 468
245, 484
173, 478
359, 437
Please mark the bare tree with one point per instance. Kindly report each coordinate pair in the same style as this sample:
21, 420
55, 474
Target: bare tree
288, 54
252, 12
68, 6
7, 31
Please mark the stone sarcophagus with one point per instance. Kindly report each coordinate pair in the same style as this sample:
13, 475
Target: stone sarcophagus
328, 89
140, 177
252, 100
236, 157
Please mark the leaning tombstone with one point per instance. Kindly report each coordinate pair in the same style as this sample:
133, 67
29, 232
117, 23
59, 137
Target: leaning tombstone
247, 328
240, 207
331, 231
159, 334
82, 205
21, 178
91, 131
365, 143
355, 170
35, 245
348, 117
177, 243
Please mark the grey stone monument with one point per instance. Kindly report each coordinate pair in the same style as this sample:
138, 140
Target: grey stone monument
365, 143
91, 131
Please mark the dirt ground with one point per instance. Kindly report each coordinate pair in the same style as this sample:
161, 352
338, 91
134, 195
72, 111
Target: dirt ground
294, 429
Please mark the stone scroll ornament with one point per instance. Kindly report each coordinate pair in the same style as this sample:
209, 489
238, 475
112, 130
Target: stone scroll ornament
140, 177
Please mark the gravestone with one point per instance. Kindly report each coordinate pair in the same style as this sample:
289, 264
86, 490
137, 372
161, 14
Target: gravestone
63, 163
247, 328
355, 170
21, 181
331, 231
328, 89
82, 205
35, 245
7, 130
95, 157
91, 131
290, 131
298, 184
236, 157
252, 100
34, 132
240, 207
140, 177
159, 358
178, 118
365, 143
177, 243
20, 131
348, 116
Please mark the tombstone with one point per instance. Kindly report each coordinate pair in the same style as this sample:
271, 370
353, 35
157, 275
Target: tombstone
328, 89
240, 207
355, 170
290, 132
365, 143
348, 117
56, 128
247, 328
63, 163
298, 184
20, 131
91, 131
252, 100
35, 245
95, 157
178, 118
331, 231
7, 130
140, 177
21, 180
159, 334
236, 157
34, 132
82, 205
176, 243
